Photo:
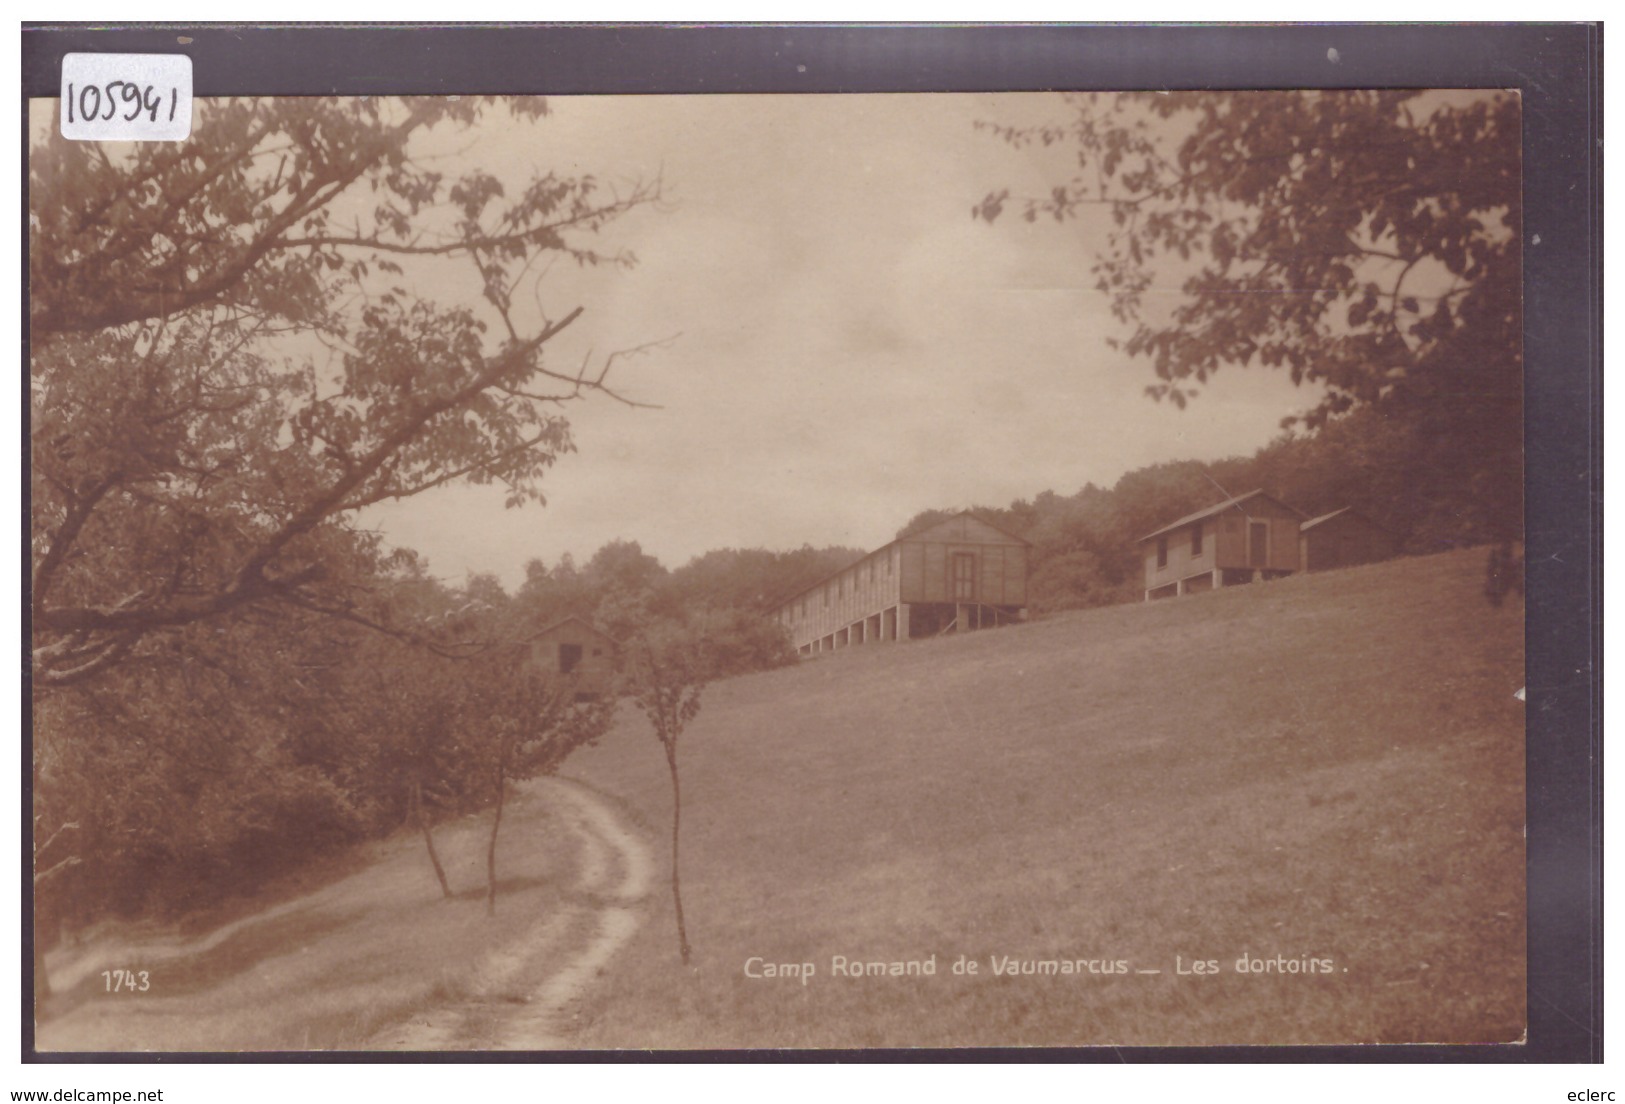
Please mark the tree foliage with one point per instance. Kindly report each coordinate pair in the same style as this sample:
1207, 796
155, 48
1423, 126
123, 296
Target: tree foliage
1366, 242
523, 725
228, 360
718, 600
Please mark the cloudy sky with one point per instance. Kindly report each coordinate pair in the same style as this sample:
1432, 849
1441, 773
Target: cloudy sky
849, 346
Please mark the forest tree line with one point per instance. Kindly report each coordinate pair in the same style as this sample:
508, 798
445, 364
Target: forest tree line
1084, 545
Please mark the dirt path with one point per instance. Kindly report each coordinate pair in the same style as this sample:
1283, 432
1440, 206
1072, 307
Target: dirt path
558, 958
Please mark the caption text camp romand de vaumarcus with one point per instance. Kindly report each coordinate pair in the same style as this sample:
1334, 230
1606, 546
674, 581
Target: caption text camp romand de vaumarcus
758, 968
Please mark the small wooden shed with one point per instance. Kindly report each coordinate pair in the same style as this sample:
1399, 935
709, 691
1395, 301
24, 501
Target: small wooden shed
1343, 538
1240, 540
574, 648
960, 574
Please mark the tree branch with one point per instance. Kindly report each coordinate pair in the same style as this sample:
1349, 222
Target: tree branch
325, 503
79, 512
174, 296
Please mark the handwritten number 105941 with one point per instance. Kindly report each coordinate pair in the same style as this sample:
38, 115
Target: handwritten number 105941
108, 101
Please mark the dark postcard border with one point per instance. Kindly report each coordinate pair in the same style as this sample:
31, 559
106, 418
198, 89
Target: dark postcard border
1556, 67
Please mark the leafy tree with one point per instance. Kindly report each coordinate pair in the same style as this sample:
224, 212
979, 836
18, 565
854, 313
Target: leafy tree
226, 362
1069, 579
718, 600
667, 687
551, 593
736, 641
1367, 242
629, 587
524, 726
200, 771
415, 740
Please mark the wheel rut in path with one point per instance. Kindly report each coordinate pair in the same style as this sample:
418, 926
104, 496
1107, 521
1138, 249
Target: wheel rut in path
522, 994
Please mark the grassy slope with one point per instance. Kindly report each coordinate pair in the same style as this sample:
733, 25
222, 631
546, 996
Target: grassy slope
1329, 765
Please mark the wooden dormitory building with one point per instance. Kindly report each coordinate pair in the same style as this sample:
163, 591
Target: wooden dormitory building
1343, 538
1253, 537
957, 575
1240, 540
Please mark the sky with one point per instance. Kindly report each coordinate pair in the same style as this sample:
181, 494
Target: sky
842, 344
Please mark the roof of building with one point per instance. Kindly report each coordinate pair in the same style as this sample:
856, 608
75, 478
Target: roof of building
1347, 510
963, 513
1209, 511
787, 599
541, 632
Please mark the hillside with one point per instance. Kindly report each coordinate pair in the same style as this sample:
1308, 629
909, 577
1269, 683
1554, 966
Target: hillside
1327, 766
1325, 772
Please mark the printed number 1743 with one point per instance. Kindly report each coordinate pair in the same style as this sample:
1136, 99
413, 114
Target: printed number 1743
125, 981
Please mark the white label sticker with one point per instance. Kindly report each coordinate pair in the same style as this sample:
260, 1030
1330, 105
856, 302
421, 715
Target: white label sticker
126, 97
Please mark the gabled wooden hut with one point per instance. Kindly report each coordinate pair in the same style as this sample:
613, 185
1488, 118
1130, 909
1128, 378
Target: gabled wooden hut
1240, 540
960, 574
574, 649
1343, 538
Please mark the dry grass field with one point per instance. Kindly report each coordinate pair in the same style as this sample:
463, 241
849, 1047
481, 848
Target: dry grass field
1325, 768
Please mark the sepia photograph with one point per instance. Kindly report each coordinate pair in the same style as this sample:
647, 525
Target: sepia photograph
802, 571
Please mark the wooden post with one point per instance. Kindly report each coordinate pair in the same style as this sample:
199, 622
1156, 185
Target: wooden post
902, 621
1218, 577
1179, 588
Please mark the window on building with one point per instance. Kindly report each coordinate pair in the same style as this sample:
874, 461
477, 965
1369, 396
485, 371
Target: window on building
1196, 539
569, 658
1162, 551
